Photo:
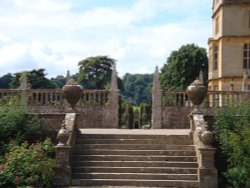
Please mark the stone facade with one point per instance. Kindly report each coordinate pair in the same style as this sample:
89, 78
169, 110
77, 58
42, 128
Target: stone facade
231, 32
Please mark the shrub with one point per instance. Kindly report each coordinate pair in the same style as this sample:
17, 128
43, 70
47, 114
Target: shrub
15, 123
28, 165
232, 126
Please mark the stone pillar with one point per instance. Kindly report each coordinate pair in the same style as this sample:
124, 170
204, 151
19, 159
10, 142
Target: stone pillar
63, 169
156, 102
24, 86
114, 100
207, 171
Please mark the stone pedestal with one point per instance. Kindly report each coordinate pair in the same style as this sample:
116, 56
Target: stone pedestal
207, 171
63, 168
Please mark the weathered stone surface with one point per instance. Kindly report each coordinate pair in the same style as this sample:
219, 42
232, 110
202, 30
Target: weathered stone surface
177, 117
98, 117
149, 158
63, 169
72, 92
51, 122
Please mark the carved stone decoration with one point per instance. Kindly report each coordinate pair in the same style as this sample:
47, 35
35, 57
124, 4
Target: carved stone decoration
63, 135
196, 93
72, 92
206, 137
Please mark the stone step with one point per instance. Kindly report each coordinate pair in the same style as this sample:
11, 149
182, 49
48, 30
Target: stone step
166, 170
135, 164
132, 158
172, 141
134, 152
134, 146
131, 136
146, 176
136, 183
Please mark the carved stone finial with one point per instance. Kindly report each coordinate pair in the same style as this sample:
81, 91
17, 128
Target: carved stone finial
201, 77
24, 81
72, 92
196, 93
63, 135
156, 81
114, 85
68, 76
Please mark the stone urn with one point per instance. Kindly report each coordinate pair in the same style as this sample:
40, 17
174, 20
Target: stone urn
196, 93
63, 135
206, 137
72, 92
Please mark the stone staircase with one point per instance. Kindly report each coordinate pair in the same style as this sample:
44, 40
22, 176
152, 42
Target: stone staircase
141, 158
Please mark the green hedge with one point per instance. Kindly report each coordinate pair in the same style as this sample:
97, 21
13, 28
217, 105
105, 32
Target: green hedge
127, 120
232, 127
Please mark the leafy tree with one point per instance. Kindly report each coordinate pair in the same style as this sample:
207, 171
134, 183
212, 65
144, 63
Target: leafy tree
36, 79
95, 72
233, 134
6, 80
137, 88
58, 81
183, 66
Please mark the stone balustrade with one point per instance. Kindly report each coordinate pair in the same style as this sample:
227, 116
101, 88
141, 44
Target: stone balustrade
95, 97
175, 98
55, 97
213, 98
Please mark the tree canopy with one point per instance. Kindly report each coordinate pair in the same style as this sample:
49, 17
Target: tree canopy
183, 67
36, 78
95, 72
137, 88
58, 81
6, 80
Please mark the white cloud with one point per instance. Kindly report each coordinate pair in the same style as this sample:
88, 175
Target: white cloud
43, 5
50, 34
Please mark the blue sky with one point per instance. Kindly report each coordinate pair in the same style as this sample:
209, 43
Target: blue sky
57, 34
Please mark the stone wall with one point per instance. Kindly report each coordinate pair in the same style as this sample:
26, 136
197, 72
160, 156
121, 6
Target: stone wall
98, 117
89, 116
177, 117
51, 122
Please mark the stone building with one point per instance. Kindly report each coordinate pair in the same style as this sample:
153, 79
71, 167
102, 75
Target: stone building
229, 48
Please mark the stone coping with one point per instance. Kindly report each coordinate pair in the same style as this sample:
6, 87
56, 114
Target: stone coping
137, 131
